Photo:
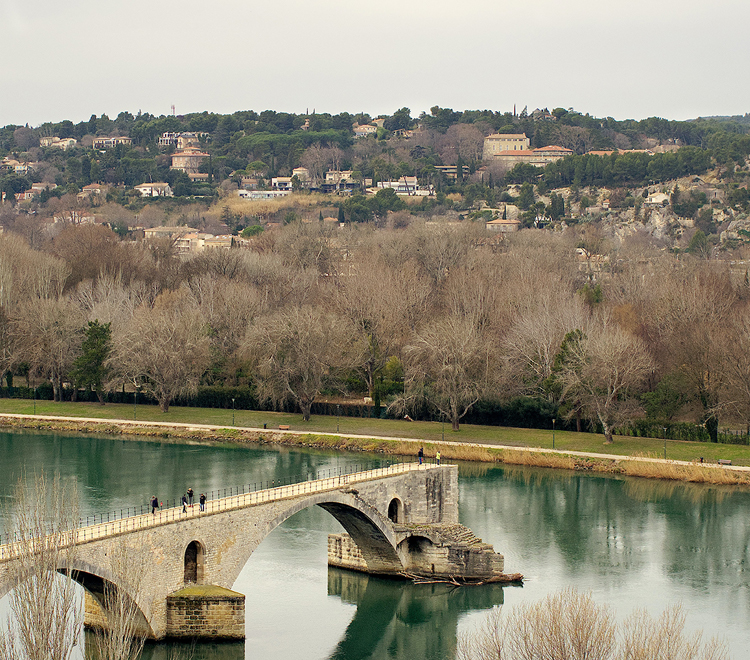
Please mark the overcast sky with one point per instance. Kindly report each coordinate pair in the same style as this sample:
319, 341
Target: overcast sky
69, 59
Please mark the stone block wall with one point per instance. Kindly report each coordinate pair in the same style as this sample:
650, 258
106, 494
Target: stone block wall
94, 617
344, 553
442, 558
206, 612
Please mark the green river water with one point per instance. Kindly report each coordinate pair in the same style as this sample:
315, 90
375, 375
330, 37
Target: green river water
632, 543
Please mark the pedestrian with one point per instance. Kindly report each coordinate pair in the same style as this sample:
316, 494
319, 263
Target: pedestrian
190, 497
154, 505
203, 501
184, 504
437, 457
420, 455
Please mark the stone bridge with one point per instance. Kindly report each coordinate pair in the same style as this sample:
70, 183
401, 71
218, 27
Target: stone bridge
401, 518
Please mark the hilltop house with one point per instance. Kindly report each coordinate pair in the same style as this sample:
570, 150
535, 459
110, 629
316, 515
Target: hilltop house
537, 157
500, 142
188, 160
159, 189
364, 130
182, 140
58, 143
109, 142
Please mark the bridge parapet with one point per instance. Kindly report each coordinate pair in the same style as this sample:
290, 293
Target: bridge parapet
134, 523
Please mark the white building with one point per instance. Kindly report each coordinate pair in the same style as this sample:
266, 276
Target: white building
109, 142
406, 185
263, 194
159, 189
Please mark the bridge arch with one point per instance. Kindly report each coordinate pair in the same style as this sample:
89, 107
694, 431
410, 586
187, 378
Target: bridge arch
99, 585
194, 562
396, 511
371, 531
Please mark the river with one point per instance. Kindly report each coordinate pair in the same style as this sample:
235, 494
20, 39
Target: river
633, 543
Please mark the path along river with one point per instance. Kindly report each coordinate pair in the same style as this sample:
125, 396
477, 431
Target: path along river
631, 542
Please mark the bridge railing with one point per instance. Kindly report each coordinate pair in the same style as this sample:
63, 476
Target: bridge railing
232, 498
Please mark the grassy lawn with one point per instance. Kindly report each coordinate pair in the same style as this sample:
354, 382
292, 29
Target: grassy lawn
428, 431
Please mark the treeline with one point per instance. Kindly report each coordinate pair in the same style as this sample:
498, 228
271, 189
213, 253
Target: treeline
269, 143
431, 320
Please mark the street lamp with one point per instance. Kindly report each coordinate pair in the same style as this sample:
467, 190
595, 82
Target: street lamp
443, 427
338, 414
232, 411
665, 443
553, 433
35, 400
135, 401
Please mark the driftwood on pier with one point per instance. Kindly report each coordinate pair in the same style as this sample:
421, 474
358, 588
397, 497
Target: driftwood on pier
503, 578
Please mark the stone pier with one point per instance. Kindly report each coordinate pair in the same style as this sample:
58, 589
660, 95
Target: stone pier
438, 550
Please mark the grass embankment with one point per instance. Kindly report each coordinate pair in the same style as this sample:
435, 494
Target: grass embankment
382, 436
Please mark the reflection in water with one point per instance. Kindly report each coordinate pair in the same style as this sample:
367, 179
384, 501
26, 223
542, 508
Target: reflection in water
186, 651
404, 620
630, 542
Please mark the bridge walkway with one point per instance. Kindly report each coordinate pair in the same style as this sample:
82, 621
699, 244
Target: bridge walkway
240, 500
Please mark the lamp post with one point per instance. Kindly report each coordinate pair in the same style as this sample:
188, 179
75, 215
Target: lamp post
135, 402
338, 414
443, 427
232, 411
35, 400
553, 433
665, 443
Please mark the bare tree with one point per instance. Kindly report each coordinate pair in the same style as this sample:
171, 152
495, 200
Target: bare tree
600, 369
123, 634
737, 361
298, 351
570, 626
687, 316
26, 273
228, 307
48, 335
461, 140
164, 348
318, 159
384, 304
46, 617
532, 343
25, 138
664, 638
451, 364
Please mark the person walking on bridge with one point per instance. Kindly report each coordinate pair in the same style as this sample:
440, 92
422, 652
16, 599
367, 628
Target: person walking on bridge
154, 505
184, 504
202, 501
420, 455
190, 497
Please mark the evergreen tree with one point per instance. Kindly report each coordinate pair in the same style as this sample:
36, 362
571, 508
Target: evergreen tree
89, 369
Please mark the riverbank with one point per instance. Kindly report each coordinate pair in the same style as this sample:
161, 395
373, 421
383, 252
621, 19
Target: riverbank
648, 466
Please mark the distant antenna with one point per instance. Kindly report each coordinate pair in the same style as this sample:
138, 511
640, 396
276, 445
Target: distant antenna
173, 109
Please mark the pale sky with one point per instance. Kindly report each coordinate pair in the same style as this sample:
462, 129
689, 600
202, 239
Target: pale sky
69, 59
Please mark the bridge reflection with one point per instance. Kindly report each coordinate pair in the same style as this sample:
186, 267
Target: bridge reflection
393, 619
401, 619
